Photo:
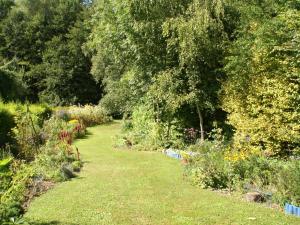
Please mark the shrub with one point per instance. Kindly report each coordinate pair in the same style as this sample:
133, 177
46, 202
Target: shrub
286, 182
5, 174
254, 173
209, 169
6, 124
11, 86
261, 92
25, 118
46, 145
11, 199
52, 128
27, 135
89, 115
216, 167
146, 133
38, 110
56, 161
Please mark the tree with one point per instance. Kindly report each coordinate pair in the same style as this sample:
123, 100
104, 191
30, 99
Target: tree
263, 89
32, 31
67, 78
199, 39
142, 46
128, 47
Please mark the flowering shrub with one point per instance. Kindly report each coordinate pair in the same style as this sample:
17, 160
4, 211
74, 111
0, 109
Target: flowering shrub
217, 168
51, 157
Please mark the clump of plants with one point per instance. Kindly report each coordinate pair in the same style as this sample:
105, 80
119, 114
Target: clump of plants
45, 154
88, 115
27, 118
57, 155
217, 166
6, 124
144, 132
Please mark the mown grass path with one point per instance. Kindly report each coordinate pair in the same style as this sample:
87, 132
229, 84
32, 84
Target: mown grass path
139, 188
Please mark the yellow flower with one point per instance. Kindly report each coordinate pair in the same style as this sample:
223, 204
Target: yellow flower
73, 122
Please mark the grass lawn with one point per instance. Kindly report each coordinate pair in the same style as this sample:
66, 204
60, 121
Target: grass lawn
139, 188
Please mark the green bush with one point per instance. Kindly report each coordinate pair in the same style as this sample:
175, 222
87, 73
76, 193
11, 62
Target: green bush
286, 182
57, 159
253, 173
11, 86
88, 114
146, 133
27, 135
5, 174
213, 167
52, 157
52, 128
38, 110
261, 92
23, 118
6, 124
56, 162
208, 169
11, 199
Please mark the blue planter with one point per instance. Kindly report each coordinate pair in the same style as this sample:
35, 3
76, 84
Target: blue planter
292, 210
173, 154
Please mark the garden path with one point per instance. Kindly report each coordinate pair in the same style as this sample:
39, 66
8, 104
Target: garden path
139, 188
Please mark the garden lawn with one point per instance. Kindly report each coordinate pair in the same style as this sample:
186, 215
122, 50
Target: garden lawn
138, 188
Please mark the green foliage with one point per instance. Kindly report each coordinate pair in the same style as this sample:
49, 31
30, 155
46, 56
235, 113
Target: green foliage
65, 67
55, 162
5, 174
6, 124
89, 115
146, 133
4, 164
44, 40
5, 6
286, 181
167, 53
262, 92
11, 88
216, 167
207, 168
11, 199
49, 153
27, 135
38, 110
20, 125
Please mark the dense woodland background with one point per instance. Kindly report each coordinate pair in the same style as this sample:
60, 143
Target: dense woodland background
189, 63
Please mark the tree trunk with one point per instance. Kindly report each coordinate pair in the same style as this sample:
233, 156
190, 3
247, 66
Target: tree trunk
169, 130
201, 123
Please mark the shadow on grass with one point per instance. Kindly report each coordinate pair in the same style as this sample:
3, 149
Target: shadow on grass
85, 136
51, 223
88, 133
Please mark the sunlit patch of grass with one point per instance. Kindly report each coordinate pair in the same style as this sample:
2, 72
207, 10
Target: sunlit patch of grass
138, 188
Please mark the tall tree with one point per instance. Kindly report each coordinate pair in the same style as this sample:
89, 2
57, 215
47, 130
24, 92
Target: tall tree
32, 31
263, 88
198, 38
138, 44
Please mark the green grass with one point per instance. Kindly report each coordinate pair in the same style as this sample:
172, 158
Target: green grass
139, 188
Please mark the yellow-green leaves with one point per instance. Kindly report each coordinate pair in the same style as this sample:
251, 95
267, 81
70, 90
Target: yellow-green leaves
263, 89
